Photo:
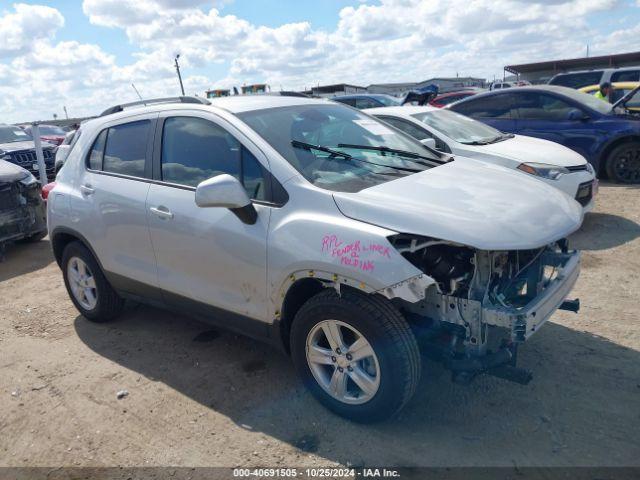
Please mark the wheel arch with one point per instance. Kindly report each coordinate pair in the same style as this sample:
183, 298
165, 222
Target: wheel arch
602, 162
63, 236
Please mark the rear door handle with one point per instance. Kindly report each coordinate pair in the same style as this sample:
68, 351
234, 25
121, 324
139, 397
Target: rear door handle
162, 212
87, 189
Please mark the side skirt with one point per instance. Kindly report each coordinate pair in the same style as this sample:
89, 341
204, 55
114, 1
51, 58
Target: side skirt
156, 297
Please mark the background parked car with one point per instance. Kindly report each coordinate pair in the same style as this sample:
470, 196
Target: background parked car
451, 132
616, 92
368, 100
22, 214
450, 97
16, 146
608, 137
49, 133
585, 78
63, 149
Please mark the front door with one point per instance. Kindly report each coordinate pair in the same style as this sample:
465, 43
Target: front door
548, 117
207, 255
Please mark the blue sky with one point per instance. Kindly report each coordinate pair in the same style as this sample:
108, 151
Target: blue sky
84, 53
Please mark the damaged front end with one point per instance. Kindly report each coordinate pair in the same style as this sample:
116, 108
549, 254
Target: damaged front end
22, 213
485, 303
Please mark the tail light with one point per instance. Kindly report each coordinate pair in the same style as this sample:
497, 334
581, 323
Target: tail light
47, 189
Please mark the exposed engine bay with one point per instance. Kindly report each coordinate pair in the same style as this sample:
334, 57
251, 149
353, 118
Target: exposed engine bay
485, 303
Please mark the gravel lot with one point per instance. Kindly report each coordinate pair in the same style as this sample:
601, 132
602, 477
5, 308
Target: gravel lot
198, 397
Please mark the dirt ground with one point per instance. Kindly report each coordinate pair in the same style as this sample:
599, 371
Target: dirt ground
198, 397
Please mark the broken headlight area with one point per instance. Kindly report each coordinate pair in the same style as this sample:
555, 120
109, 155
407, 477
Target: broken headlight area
484, 303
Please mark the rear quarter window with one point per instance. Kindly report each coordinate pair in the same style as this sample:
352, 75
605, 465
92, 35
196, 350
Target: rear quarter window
577, 80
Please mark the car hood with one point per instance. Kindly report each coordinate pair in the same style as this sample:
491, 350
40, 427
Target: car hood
17, 146
10, 172
530, 149
468, 202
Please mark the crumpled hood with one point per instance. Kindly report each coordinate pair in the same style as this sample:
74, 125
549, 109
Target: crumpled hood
530, 149
469, 202
10, 172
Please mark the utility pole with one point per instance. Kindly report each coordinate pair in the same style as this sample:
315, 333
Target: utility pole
65, 112
179, 76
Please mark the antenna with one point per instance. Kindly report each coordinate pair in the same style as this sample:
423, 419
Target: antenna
134, 87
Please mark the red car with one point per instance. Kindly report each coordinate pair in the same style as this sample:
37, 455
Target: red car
49, 133
450, 97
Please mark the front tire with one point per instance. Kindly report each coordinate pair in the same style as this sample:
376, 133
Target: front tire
356, 354
623, 163
87, 286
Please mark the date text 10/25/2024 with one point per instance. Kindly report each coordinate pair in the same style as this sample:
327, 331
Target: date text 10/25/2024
351, 254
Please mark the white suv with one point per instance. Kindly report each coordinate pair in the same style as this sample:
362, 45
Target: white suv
320, 229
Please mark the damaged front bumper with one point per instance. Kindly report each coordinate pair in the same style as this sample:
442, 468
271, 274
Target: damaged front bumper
472, 336
524, 322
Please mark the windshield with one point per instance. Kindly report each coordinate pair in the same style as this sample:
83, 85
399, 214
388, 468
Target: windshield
388, 101
13, 134
327, 145
52, 130
458, 127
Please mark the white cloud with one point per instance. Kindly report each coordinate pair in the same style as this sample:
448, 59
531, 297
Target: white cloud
393, 40
26, 25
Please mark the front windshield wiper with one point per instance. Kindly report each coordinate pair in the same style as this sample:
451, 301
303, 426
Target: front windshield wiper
402, 153
335, 153
489, 141
320, 148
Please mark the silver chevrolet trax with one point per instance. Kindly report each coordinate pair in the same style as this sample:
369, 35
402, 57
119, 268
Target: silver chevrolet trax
316, 227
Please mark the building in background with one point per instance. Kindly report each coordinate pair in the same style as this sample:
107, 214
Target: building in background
541, 72
217, 93
445, 84
395, 89
334, 90
255, 89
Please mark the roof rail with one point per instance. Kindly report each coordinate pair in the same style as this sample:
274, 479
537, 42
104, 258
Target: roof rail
155, 101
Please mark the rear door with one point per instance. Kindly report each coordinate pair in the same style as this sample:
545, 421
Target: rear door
208, 257
111, 203
544, 115
493, 109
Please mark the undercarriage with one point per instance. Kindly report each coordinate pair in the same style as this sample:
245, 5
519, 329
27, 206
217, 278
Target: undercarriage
484, 304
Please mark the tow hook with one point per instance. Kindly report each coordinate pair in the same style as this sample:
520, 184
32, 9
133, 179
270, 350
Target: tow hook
570, 305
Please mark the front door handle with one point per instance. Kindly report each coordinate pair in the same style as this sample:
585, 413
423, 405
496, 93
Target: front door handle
87, 189
162, 212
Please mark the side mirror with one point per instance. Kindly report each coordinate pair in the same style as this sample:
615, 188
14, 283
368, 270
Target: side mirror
576, 115
429, 142
227, 192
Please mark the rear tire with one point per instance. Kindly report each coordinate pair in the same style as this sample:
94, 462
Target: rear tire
87, 286
623, 163
391, 369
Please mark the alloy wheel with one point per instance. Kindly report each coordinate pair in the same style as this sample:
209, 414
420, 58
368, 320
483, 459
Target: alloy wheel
343, 362
82, 283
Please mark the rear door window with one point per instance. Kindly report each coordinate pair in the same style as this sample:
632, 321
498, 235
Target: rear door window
126, 148
490, 106
94, 162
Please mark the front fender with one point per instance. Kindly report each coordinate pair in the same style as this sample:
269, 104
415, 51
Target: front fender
338, 251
